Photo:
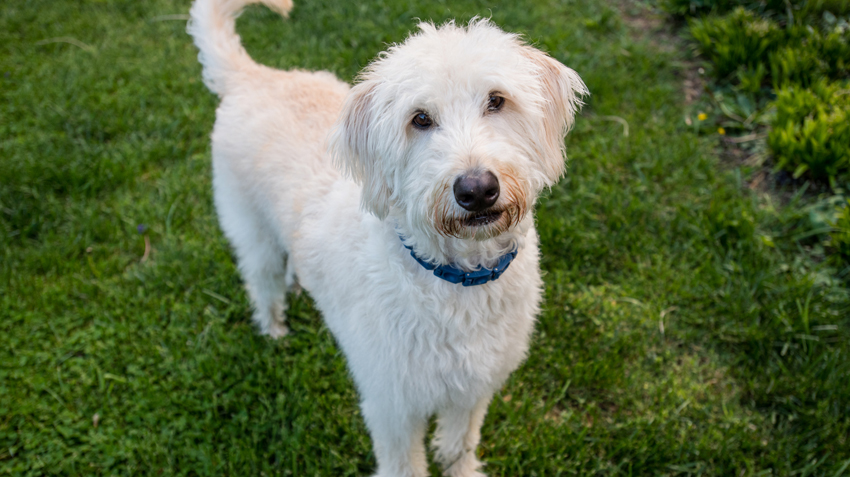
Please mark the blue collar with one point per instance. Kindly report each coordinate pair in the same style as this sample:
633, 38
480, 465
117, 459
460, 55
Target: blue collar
453, 274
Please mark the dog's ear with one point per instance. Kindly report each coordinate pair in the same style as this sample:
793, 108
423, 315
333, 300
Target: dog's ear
562, 90
353, 146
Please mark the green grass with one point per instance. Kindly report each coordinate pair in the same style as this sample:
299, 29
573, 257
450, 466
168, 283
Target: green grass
691, 326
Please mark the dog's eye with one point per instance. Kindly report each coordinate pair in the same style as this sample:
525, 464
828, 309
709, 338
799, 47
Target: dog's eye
422, 120
495, 103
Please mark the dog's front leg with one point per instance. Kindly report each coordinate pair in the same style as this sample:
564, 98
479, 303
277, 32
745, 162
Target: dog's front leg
458, 433
398, 437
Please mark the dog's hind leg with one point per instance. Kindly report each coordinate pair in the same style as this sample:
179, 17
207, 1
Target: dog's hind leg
262, 260
457, 436
265, 280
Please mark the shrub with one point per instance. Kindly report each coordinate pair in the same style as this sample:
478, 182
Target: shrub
694, 7
816, 8
795, 65
750, 80
810, 132
698, 7
834, 49
806, 10
810, 54
738, 39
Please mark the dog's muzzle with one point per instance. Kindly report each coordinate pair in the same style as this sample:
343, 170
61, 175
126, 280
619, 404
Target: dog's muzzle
482, 218
476, 190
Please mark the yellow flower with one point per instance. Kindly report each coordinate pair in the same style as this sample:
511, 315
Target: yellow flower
721, 131
702, 116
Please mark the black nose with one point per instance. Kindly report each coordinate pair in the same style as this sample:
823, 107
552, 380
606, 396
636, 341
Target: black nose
476, 190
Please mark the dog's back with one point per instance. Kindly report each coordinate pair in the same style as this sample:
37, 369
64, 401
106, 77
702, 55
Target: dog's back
268, 148
276, 121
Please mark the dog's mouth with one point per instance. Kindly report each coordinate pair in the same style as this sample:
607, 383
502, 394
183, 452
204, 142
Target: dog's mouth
482, 218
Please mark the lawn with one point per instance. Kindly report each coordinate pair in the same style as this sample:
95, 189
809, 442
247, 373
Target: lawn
691, 324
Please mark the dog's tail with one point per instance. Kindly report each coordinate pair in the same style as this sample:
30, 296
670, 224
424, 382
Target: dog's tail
213, 26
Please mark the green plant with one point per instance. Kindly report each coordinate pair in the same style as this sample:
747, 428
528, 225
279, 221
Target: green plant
693, 7
810, 132
750, 80
738, 39
810, 9
700, 7
800, 10
795, 65
834, 49
810, 54
728, 226
839, 238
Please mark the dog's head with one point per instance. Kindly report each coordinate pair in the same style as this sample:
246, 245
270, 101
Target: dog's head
455, 131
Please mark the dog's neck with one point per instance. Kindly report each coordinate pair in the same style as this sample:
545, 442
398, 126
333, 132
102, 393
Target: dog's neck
467, 254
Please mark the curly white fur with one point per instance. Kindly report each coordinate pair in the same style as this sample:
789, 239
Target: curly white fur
416, 345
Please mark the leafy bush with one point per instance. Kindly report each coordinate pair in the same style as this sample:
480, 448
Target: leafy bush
800, 9
693, 7
785, 65
810, 9
795, 54
698, 7
750, 80
738, 39
810, 54
810, 132
795, 65
834, 49
754, 51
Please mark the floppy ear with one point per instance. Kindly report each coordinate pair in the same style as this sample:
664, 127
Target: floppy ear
562, 90
354, 149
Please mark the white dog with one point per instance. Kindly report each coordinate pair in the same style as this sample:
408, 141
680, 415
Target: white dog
440, 151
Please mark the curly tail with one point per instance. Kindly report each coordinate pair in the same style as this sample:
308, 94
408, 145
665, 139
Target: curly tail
213, 26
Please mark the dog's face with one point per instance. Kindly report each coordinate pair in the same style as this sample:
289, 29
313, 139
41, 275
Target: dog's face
457, 130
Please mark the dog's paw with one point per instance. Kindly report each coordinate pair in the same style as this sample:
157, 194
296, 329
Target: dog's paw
473, 473
466, 466
277, 330
295, 288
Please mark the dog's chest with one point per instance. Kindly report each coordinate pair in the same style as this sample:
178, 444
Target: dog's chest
460, 341
401, 326
445, 341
